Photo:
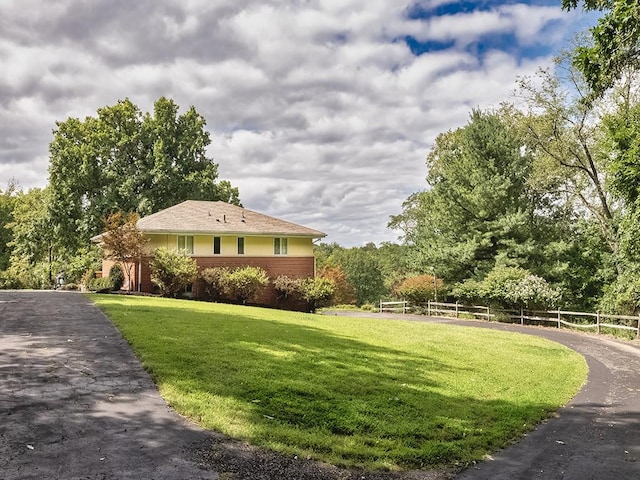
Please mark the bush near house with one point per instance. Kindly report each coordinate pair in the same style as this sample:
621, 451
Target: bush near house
215, 280
244, 283
172, 271
314, 293
344, 292
117, 277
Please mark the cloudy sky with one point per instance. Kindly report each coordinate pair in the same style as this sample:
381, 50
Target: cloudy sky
320, 111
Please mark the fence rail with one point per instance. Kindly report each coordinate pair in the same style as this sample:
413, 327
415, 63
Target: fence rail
580, 320
394, 307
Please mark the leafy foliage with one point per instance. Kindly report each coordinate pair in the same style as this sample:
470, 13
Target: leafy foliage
479, 207
344, 293
123, 242
215, 281
287, 287
244, 283
317, 292
7, 201
117, 277
172, 271
123, 160
509, 287
362, 267
31, 226
615, 47
101, 285
420, 288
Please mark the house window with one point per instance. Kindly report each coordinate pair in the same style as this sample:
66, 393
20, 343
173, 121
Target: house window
216, 245
280, 246
185, 244
240, 245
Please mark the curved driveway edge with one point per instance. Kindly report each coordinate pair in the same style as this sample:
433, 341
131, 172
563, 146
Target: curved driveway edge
596, 436
74, 401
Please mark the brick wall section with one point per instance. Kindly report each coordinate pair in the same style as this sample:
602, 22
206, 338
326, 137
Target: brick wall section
106, 269
294, 267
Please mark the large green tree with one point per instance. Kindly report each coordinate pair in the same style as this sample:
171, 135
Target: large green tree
7, 201
478, 209
615, 42
362, 266
123, 160
565, 137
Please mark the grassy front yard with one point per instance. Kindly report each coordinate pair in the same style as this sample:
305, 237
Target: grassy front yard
353, 392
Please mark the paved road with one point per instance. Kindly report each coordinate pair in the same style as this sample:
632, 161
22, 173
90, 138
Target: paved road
76, 404
74, 401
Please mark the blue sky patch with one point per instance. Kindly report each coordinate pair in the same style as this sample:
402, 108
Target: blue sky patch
418, 11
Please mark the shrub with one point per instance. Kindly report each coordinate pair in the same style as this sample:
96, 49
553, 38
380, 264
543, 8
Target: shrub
344, 293
244, 283
317, 292
22, 274
509, 287
172, 271
419, 289
100, 285
308, 293
76, 265
287, 288
215, 281
117, 277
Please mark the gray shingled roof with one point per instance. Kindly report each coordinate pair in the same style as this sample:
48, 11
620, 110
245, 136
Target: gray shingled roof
197, 217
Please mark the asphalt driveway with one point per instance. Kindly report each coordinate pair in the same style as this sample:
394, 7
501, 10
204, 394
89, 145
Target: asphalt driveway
76, 404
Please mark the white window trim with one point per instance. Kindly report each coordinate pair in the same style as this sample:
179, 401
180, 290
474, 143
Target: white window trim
185, 250
282, 242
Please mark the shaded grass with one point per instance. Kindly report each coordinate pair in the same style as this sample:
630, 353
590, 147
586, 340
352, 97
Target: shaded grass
353, 392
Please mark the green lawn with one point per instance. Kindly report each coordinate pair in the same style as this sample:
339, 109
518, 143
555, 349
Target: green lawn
370, 393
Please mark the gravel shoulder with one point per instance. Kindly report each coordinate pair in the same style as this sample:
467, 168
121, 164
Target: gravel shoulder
77, 404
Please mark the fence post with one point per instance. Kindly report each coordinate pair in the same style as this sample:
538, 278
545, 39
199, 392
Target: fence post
457, 314
380, 306
521, 316
598, 322
404, 307
428, 308
558, 318
488, 313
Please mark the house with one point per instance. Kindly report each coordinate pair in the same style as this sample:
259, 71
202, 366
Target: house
218, 234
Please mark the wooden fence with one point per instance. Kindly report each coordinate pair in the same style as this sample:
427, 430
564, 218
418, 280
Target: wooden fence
557, 318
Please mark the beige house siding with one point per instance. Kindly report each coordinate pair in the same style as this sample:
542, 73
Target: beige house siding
255, 246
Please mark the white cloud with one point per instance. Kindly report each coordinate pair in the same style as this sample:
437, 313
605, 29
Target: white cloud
318, 110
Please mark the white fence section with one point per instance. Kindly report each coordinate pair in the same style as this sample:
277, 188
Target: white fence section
394, 307
557, 318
